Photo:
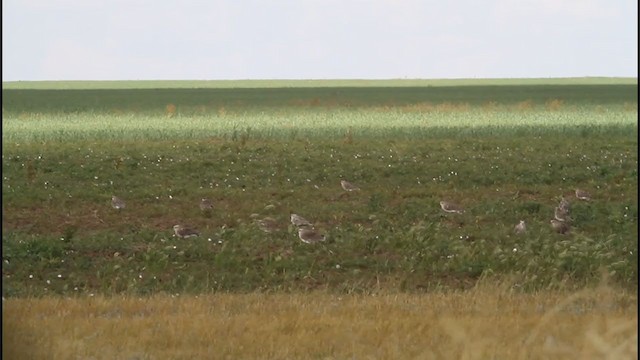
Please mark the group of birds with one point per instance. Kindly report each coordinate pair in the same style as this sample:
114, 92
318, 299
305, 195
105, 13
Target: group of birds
560, 222
309, 235
306, 231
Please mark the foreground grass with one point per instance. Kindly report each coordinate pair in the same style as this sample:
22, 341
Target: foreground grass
487, 322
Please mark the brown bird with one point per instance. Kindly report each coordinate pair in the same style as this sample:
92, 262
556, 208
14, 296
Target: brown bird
184, 232
347, 186
520, 228
561, 214
298, 220
559, 226
206, 205
451, 207
267, 224
310, 236
117, 203
564, 204
583, 195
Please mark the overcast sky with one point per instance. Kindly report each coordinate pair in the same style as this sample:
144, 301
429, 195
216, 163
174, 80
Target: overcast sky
317, 39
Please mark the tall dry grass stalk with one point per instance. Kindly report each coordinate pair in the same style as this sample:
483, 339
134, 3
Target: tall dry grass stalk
554, 104
170, 110
489, 322
525, 105
443, 107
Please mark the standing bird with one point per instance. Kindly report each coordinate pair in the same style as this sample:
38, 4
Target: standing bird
559, 226
310, 236
298, 220
206, 205
347, 186
583, 195
520, 228
451, 207
564, 204
184, 232
117, 203
561, 214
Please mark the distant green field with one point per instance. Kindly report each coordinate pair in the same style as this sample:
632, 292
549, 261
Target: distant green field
138, 98
229, 84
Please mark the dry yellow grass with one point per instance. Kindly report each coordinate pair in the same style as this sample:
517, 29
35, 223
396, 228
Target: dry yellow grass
170, 110
426, 106
484, 323
554, 104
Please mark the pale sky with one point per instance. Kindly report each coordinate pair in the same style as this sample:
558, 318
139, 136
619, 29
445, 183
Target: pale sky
317, 39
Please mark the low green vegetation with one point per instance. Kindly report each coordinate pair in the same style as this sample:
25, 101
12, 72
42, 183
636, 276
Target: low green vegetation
326, 125
502, 157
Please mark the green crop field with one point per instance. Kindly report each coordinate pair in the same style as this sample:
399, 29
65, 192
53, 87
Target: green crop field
395, 277
505, 151
414, 109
